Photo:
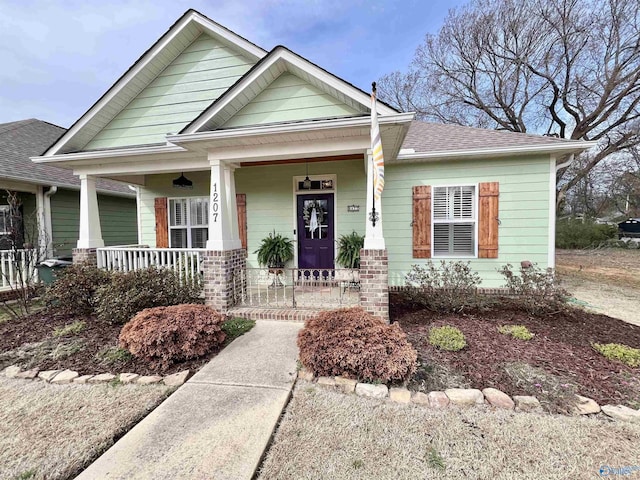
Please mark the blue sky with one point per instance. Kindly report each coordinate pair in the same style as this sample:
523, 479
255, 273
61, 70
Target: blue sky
59, 57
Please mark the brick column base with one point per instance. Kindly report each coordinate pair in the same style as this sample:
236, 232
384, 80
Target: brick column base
88, 256
224, 279
374, 282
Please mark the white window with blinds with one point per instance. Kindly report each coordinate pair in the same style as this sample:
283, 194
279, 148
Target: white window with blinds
188, 222
454, 221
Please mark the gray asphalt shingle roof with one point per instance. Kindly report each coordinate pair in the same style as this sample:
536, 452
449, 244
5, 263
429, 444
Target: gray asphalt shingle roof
427, 137
29, 138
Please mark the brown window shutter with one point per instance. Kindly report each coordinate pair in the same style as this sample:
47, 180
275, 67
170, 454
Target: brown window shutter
488, 220
241, 202
422, 221
162, 223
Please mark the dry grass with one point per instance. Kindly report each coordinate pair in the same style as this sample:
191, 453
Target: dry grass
614, 266
53, 431
327, 435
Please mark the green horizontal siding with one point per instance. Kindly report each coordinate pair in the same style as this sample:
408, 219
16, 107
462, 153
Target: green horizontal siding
199, 75
289, 98
117, 220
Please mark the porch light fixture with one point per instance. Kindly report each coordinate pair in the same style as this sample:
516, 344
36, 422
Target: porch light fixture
306, 183
182, 182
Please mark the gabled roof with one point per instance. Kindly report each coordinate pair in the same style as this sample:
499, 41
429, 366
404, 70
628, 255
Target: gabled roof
27, 138
278, 61
143, 71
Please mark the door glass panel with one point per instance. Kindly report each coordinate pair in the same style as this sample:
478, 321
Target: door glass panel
316, 219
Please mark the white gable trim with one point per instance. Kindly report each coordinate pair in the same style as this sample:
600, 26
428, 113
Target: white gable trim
189, 19
280, 60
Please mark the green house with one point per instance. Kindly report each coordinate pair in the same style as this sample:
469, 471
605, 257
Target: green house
228, 142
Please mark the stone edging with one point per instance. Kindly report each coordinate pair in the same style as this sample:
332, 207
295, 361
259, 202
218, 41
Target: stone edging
464, 397
61, 377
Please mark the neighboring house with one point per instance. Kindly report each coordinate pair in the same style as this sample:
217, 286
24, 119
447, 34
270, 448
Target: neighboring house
247, 126
50, 196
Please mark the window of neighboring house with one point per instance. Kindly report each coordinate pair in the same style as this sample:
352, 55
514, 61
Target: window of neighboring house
454, 221
188, 222
5, 220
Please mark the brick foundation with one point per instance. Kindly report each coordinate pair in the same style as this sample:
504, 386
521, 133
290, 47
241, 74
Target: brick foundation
224, 278
85, 255
374, 282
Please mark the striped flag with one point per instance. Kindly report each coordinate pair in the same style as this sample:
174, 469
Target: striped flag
376, 148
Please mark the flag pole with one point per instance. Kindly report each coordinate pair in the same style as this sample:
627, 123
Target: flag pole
373, 216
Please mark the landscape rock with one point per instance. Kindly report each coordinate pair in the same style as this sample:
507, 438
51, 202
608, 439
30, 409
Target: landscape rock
420, 398
586, 406
48, 375
12, 371
82, 379
128, 377
371, 390
326, 381
438, 400
526, 403
622, 413
65, 376
101, 378
465, 397
347, 385
498, 398
399, 395
28, 374
176, 379
149, 379
305, 374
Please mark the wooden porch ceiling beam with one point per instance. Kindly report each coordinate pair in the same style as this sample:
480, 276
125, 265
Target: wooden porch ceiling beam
332, 158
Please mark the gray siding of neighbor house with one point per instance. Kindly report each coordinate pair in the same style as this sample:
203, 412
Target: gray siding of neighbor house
117, 220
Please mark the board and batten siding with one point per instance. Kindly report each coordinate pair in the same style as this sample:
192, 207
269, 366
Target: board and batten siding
198, 76
270, 198
523, 210
117, 220
289, 98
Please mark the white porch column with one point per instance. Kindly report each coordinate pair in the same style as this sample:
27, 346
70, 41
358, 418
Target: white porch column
373, 239
230, 178
90, 232
219, 220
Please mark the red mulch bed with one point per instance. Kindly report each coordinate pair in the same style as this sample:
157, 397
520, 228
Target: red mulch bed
561, 347
97, 336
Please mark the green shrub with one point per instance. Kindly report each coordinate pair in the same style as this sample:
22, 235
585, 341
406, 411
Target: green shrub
538, 290
516, 331
622, 353
447, 338
71, 329
353, 343
74, 290
113, 356
236, 327
574, 233
165, 335
451, 287
131, 292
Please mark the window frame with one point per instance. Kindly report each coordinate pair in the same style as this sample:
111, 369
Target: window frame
189, 225
5, 210
474, 221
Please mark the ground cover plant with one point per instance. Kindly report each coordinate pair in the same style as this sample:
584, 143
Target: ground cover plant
447, 338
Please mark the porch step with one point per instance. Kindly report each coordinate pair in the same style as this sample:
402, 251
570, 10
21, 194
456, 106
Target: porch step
281, 314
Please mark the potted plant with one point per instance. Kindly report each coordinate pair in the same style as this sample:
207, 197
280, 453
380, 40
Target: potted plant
275, 251
349, 247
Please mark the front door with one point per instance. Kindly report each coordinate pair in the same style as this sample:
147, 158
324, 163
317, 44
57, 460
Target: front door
315, 231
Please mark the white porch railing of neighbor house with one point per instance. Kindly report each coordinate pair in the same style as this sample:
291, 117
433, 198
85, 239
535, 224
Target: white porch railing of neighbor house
185, 261
296, 288
17, 267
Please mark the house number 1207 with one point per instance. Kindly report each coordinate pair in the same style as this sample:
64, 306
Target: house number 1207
215, 203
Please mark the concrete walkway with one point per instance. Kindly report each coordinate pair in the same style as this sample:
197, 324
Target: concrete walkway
217, 425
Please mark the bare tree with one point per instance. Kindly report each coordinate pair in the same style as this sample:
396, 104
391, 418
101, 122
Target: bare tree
567, 68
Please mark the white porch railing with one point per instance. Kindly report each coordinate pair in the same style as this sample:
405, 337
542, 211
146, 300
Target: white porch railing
185, 261
17, 267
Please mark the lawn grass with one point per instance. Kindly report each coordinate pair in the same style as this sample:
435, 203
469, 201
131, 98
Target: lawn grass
328, 435
54, 431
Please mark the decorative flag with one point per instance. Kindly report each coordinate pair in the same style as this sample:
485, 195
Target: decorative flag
376, 148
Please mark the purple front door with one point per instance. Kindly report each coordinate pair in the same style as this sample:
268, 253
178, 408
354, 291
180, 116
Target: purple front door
315, 231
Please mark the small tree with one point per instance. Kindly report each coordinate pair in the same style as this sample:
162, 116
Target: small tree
26, 249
